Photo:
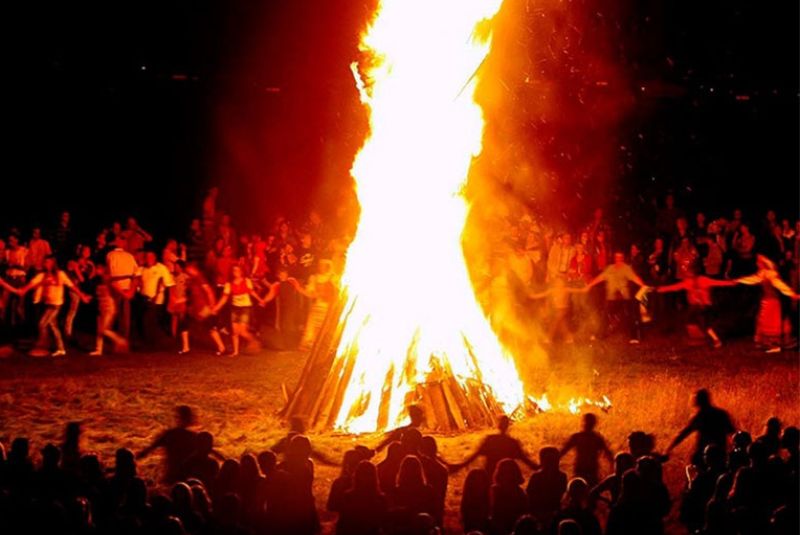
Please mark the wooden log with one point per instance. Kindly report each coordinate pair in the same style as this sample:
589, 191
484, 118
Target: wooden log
449, 386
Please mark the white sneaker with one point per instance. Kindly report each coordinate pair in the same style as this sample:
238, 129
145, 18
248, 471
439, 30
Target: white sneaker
58, 353
776, 349
634, 341
96, 353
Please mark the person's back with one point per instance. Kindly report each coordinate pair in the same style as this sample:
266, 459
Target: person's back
577, 508
712, 425
436, 474
546, 486
363, 508
475, 501
508, 500
178, 444
588, 445
388, 468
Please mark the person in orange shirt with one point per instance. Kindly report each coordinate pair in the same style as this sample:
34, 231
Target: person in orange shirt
698, 294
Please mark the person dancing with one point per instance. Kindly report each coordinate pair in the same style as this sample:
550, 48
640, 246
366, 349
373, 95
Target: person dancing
701, 306
240, 291
769, 322
52, 282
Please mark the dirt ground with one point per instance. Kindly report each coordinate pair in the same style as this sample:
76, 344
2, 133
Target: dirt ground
125, 401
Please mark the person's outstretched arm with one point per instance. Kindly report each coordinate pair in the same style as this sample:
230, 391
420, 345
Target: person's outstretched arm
157, 443
567, 447
677, 287
469, 460
35, 282
685, 432
533, 465
271, 294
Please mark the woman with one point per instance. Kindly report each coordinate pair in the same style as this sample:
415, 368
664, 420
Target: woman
769, 321
412, 495
52, 282
508, 501
363, 508
475, 501
240, 292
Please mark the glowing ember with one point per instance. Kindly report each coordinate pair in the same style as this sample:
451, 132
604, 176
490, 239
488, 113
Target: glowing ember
411, 316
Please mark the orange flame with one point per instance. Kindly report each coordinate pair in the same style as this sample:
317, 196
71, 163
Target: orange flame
411, 308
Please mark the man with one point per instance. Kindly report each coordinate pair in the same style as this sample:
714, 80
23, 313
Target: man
588, 445
620, 308
178, 443
135, 237
712, 425
38, 250
122, 268
154, 279
62, 237
560, 256
16, 272
497, 447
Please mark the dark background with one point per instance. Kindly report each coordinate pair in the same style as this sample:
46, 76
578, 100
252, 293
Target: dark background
116, 108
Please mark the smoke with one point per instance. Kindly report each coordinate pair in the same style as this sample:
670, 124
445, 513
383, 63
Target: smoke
554, 94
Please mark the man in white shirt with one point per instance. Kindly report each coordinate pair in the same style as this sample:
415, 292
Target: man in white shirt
122, 269
154, 279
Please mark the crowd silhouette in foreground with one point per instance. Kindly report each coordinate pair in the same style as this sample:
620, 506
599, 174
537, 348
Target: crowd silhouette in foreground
735, 485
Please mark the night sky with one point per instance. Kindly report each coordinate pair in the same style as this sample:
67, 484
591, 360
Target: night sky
137, 107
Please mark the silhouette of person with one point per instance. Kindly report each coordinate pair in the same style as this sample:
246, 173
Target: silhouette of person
412, 494
588, 445
71, 447
507, 499
628, 516
344, 482
416, 420
388, 468
498, 446
546, 486
701, 488
475, 501
436, 474
577, 508
612, 484
298, 427
712, 425
302, 512
772, 436
178, 444
203, 463
363, 507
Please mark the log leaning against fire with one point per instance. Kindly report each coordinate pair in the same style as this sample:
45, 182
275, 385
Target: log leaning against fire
449, 405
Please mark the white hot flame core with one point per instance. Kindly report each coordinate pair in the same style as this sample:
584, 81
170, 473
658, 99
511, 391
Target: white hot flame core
410, 298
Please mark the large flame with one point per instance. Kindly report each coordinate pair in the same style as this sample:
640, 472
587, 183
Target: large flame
411, 307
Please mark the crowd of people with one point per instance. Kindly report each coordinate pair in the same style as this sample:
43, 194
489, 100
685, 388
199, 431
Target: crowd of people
735, 485
666, 272
133, 289
230, 288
